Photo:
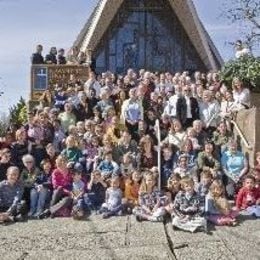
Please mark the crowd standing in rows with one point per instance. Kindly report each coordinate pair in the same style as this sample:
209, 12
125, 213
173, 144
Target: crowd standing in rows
92, 147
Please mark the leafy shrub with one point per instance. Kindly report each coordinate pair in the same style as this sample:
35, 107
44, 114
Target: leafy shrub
18, 113
246, 69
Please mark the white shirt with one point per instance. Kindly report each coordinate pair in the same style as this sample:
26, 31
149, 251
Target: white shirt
244, 52
172, 105
175, 138
189, 115
209, 113
242, 98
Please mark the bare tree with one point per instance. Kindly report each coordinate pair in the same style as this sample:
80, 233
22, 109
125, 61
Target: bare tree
247, 14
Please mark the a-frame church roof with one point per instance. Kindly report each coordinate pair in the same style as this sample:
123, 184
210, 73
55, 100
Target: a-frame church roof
185, 10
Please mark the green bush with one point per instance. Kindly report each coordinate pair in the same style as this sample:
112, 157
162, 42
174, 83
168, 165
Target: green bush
18, 113
246, 69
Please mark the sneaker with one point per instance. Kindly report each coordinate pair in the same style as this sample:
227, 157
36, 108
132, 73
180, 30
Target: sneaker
45, 214
160, 219
19, 218
106, 215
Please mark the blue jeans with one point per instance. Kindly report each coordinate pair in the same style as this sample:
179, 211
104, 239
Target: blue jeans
38, 200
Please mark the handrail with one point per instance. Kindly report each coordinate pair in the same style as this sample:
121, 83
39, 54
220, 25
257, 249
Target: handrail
248, 146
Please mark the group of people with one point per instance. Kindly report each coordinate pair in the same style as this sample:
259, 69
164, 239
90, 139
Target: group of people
93, 147
74, 57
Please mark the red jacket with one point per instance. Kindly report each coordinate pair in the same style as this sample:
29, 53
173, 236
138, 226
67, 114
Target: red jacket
246, 197
59, 179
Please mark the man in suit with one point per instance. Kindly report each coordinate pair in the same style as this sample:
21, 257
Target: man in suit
187, 108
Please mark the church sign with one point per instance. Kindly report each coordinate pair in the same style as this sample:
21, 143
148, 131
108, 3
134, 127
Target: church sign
45, 77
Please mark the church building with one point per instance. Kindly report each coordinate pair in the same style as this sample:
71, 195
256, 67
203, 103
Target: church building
158, 35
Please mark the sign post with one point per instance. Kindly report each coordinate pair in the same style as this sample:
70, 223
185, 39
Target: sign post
158, 134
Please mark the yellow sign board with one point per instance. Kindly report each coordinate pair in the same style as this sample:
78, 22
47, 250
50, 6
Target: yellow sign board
45, 77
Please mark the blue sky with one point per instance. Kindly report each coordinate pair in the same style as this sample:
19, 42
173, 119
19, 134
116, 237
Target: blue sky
25, 23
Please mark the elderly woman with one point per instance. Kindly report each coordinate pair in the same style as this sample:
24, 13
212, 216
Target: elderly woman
234, 165
241, 94
28, 175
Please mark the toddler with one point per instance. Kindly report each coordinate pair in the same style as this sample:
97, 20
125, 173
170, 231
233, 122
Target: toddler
217, 207
132, 185
151, 202
77, 194
186, 208
113, 202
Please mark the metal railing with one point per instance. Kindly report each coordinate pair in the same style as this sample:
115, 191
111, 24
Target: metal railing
242, 136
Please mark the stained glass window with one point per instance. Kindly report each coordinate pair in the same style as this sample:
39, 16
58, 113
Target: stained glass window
146, 34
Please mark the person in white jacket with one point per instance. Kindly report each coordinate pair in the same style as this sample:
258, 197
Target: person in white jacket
209, 110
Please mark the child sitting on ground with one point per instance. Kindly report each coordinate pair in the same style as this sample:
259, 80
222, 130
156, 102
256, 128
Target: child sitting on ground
95, 196
217, 207
186, 209
113, 202
11, 192
151, 202
77, 193
248, 197
132, 185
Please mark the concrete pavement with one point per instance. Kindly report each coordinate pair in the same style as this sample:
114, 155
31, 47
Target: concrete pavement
124, 238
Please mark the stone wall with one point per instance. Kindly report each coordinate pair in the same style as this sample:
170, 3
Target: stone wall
248, 122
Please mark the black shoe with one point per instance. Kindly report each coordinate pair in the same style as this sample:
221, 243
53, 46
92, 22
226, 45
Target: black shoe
45, 214
138, 218
19, 218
